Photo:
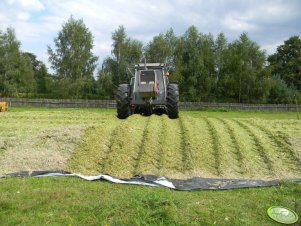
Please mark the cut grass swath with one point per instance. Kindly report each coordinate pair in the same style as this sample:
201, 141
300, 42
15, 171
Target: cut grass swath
125, 146
252, 165
172, 148
186, 149
149, 160
229, 156
199, 143
282, 144
91, 156
259, 148
234, 148
141, 147
216, 147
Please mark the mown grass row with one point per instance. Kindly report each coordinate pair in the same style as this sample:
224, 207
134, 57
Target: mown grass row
198, 143
124, 147
281, 145
234, 148
172, 148
186, 147
229, 154
259, 148
91, 155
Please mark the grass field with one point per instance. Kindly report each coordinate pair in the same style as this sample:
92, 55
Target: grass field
71, 201
203, 144
237, 144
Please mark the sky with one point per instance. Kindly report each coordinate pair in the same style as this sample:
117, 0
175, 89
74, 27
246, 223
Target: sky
37, 22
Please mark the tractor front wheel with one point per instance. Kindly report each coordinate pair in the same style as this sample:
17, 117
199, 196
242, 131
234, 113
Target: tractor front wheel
172, 100
123, 101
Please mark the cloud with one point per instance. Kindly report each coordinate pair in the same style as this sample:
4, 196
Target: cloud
237, 24
32, 5
37, 22
16, 10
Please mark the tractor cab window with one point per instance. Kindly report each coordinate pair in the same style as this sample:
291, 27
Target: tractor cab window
147, 77
161, 83
160, 80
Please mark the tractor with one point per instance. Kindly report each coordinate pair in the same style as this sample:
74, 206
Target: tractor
149, 92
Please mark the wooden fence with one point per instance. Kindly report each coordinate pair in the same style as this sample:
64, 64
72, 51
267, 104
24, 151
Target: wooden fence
79, 103
59, 103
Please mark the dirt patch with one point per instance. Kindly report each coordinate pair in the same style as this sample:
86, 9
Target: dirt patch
50, 149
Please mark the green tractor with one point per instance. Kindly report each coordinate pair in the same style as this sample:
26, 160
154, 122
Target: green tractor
149, 92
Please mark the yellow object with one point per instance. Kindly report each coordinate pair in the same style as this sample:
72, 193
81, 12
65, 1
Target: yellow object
3, 106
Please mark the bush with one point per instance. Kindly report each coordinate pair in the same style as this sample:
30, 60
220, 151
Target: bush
281, 93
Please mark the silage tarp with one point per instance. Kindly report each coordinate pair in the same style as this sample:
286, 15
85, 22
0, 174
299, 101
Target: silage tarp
195, 183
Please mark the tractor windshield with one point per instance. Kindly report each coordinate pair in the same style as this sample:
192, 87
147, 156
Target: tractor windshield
147, 76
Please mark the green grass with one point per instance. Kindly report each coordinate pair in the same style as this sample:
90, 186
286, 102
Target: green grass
201, 113
234, 144
242, 114
72, 201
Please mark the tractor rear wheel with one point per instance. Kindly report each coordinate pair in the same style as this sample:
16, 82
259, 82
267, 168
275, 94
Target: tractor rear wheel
172, 100
123, 101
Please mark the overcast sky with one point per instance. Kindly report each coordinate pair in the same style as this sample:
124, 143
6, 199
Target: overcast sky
37, 22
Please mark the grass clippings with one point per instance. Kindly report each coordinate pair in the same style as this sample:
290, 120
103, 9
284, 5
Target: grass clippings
198, 144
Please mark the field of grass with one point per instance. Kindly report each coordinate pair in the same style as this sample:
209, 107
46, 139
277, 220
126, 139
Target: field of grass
259, 145
72, 201
203, 144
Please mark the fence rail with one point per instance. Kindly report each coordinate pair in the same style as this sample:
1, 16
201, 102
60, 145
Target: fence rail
79, 103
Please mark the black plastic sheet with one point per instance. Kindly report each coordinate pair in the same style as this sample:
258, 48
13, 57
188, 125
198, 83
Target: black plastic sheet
195, 183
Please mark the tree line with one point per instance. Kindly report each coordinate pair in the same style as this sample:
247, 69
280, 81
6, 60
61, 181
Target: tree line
207, 68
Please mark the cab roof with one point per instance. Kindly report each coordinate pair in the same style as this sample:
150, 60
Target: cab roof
142, 66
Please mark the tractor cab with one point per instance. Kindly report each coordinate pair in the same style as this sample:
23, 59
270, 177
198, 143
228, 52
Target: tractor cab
148, 92
149, 83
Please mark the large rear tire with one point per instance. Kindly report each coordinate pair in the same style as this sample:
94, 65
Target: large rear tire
172, 100
123, 101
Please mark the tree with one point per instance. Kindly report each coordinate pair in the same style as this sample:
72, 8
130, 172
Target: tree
72, 59
286, 62
208, 76
105, 88
195, 63
221, 51
243, 75
16, 74
162, 49
156, 50
126, 52
192, 64
41, 74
